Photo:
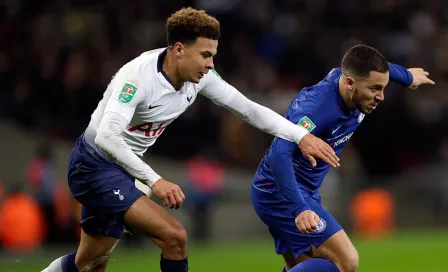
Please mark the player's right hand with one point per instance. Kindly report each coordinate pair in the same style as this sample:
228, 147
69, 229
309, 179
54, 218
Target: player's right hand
170, 193
307, 221
314, 148
420, 77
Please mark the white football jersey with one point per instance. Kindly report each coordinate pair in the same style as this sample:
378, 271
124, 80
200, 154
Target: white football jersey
145, 97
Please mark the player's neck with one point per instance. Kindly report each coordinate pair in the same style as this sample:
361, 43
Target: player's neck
345, 93
170, 68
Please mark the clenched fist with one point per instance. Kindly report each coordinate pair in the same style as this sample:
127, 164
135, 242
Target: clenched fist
307, 221
170, 193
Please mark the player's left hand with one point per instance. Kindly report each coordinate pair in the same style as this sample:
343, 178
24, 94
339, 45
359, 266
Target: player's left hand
170, 193
314, 148
420, 78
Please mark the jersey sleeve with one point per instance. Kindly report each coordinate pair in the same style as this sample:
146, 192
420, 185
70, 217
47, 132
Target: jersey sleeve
400, 75
216, 89
309, 111
247, 110
109, 139
283, 173
127, 94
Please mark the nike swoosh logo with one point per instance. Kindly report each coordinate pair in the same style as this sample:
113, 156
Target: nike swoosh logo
336, 129
153, 107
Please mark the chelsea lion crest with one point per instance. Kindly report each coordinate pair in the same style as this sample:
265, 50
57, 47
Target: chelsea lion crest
321, 226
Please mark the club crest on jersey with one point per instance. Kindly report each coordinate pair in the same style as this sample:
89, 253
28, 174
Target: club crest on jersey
127, 93
321, 226
306, 123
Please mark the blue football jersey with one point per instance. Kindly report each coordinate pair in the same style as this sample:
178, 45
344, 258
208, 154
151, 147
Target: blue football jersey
322, 111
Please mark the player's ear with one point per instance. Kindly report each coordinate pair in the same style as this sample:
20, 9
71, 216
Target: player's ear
178, 49
350, 83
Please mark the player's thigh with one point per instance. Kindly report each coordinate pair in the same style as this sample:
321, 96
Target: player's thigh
151, 219
340, 250
94, 251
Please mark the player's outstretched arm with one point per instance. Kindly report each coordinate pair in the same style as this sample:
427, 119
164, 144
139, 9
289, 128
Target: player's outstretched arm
411, 78
271, 122
267, 120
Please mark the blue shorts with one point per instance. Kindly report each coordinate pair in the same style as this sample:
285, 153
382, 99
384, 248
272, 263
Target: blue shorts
277, 214
104, 189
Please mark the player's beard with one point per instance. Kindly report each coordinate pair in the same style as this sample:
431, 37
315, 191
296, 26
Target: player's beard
361, 103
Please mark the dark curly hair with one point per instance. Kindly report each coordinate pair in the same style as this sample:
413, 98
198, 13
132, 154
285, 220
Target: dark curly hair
188, 24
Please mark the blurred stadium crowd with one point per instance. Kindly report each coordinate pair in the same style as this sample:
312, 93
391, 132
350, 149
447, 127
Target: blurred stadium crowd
57, 57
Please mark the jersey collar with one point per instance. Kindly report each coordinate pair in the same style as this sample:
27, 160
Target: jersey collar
160, 66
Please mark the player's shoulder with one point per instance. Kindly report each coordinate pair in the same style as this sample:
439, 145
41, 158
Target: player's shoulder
333, 76
141, 71
144, 65
322, 96
151, 55
330, 82
324, 89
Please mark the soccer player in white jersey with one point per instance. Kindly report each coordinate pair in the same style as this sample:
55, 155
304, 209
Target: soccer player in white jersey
143, 98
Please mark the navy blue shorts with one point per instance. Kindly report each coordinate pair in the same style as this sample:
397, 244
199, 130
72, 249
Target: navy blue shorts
277, 214
104, 189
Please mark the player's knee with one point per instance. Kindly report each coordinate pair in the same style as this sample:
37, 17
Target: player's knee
351, 263
176, 240
81, 264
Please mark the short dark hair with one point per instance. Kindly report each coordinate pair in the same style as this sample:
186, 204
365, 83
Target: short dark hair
188, 24
362, 59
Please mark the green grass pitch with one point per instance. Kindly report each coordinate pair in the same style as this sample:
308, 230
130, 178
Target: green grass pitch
412, 252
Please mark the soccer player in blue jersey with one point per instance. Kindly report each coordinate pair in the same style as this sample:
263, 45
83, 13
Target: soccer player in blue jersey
284, 191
